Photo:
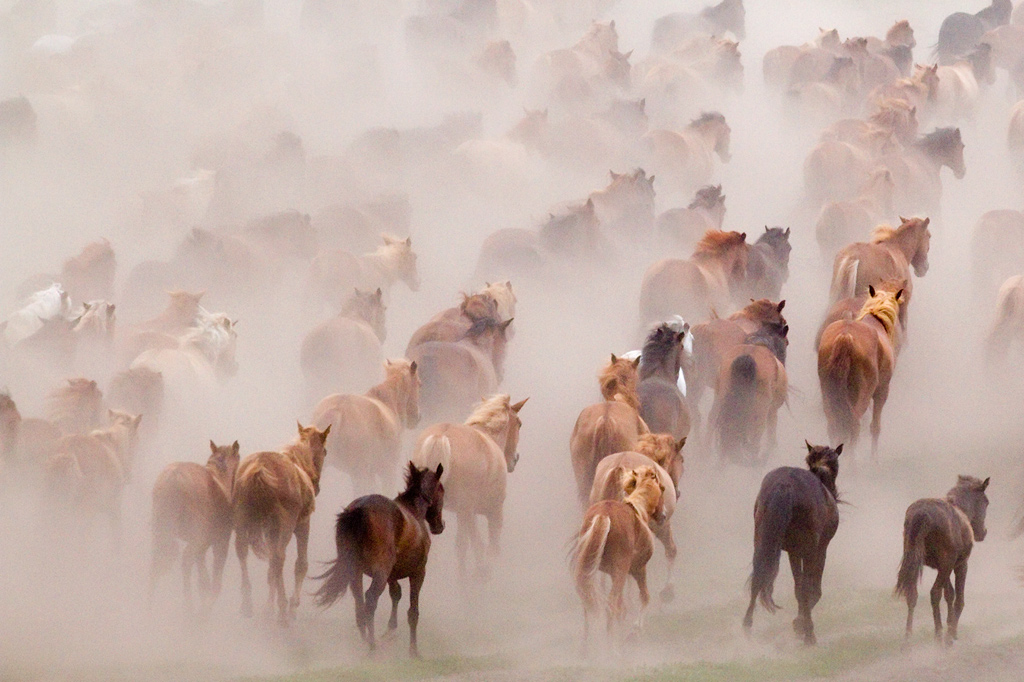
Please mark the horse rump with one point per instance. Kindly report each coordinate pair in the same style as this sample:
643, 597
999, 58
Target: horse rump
351, 532
769, 532
912, 563
840, 387
587, 558
255, 505
737, 408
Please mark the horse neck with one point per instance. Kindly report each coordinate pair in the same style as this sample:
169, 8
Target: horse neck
906, 241
301, 455
384, 262
827, 478
667, 368
640, 504
499, 435
388, 392
414, 502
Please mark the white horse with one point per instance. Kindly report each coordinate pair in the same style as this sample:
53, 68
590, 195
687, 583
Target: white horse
42, 306
204, 353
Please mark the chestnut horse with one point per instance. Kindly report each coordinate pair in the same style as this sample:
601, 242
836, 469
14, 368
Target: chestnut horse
693, 288
192, 502
616, 539
388, 540
477, 457
452, 324
272, 499
619, 380
940, 534
662, 405
856, 358
796, 512
335, 270
368, 428
602, 429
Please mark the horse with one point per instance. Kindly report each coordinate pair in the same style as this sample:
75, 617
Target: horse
961, 32
796, 511
76, 407
504, 298
616, 538
335, 270
388, 540
600, 430
273, 497
671, 29
477, 456
849, 308
368, 428
856, 359
788, 65
767, 264
1008, 326
138, 391
682, 228
203, 355
664, 453
752, 387
344, 353
940, 534
619, 380
663, 407
192, 503
842, 222
42, 306
573, 233
694, 287
452, 324
889, 255
686, 157
960, 84
90, 274
626, 206
997, 251
916, 169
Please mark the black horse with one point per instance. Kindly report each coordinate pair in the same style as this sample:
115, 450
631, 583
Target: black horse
796, 511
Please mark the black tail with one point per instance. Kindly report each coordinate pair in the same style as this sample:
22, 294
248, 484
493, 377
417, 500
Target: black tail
913, 556
737, 405
350, 531
770, 530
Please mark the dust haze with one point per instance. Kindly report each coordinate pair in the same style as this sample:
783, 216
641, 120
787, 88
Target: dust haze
153, 118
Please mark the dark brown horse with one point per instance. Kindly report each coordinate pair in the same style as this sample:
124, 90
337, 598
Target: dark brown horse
662, 405
389, 541
940, 534
796, 512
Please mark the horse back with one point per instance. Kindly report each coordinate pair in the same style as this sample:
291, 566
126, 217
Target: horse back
189, 502
630, 460
946, 530
268, 482
815, 515
630, 542
474, 466
387, 538
663, 407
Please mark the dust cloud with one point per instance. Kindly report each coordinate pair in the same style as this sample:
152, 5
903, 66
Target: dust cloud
155, 117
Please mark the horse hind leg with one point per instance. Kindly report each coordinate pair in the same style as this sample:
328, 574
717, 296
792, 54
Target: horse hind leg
959, 600
242, 551
664, 535
301, 564
936, 594
415, 583
373, 593
395, 591
881, 395
802, 620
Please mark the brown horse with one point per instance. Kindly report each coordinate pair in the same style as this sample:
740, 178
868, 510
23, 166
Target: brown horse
477, 457
619, 380
388, 540
796, 512
616, 539
368, 428
601, 430
664, 453
767, 265
573, 233
77, 407
842, 222
452, 324
856, 359
344, 353
752, 387
686, 158
192, 502
940, 534
272, 499
849, 308
889, 255
662, 405
693, 288
682, 228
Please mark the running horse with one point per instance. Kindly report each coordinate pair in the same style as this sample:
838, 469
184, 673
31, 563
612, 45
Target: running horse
662, 405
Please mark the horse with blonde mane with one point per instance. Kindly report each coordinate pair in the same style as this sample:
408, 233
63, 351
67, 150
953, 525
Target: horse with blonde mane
664, 453
619, 380
616, 538
192, 503
368, 428
273, 497
344, 353
889, 255
477, 457
452, 324
694, 287
849, 308
856, 359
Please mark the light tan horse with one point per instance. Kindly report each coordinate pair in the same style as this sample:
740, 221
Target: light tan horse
856, 359
452, 324
344, 353
477, 457
601, 430
1007, 329
693, 288
843, 222
90, 274
505, 299
664, 453
616, 539
368, 428
192, 503
76, 407
336, 270
272, 499
686, 158
889, 255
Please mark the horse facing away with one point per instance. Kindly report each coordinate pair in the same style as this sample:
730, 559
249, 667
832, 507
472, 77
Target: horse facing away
796, 512
389, 541
616, 539
940, 534
662, 405
273, 497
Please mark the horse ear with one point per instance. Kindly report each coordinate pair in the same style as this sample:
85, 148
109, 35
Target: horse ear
984, 484
614, 359
680, 443
809, 446
506, 324
839, 449
412, 367
611, 25
743, 236
636, 362
899, 296
518, 406
785, 330
408, 241
787, 231
301, 427
234, 448
413, 472
902, 219
213, 446
613, 174
110, 310
871, 291
927, 222
781, 305
379, 294
325, 432
439, 470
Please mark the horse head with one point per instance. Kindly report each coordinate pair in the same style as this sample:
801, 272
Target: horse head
969, 497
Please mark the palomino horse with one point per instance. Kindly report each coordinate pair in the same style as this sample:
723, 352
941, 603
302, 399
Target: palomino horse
368, 428
686, 158
388, 540
505, 299
477, 457
662, 406
192, 502
889, 255
849, 308
272, 499
616, 539
856, 359
940, 534
693, 288
336, 270
344, 353
682, 228
796, 512
662, 452
752, 387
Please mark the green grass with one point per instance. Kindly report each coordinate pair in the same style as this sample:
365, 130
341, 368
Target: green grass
407, 669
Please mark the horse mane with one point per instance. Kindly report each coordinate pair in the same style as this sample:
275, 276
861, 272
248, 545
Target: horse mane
882, 233
660, 447
708, 117
660, 347
938, 139
640, 485
708, 196
884, 307
492, 414
481, 327
772, 336
891, 111
480, 306
715, 243
618, 381
825, 470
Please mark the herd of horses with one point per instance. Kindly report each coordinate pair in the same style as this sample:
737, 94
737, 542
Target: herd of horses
709, 374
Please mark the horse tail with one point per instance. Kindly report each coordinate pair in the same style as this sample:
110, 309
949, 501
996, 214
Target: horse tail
844, 279
587, 558
168, 516
350, 532
913, 556
770, 530
436, 450
840, 386
738, 402
255, 502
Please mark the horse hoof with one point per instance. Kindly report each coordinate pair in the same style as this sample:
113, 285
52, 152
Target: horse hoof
668, 594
